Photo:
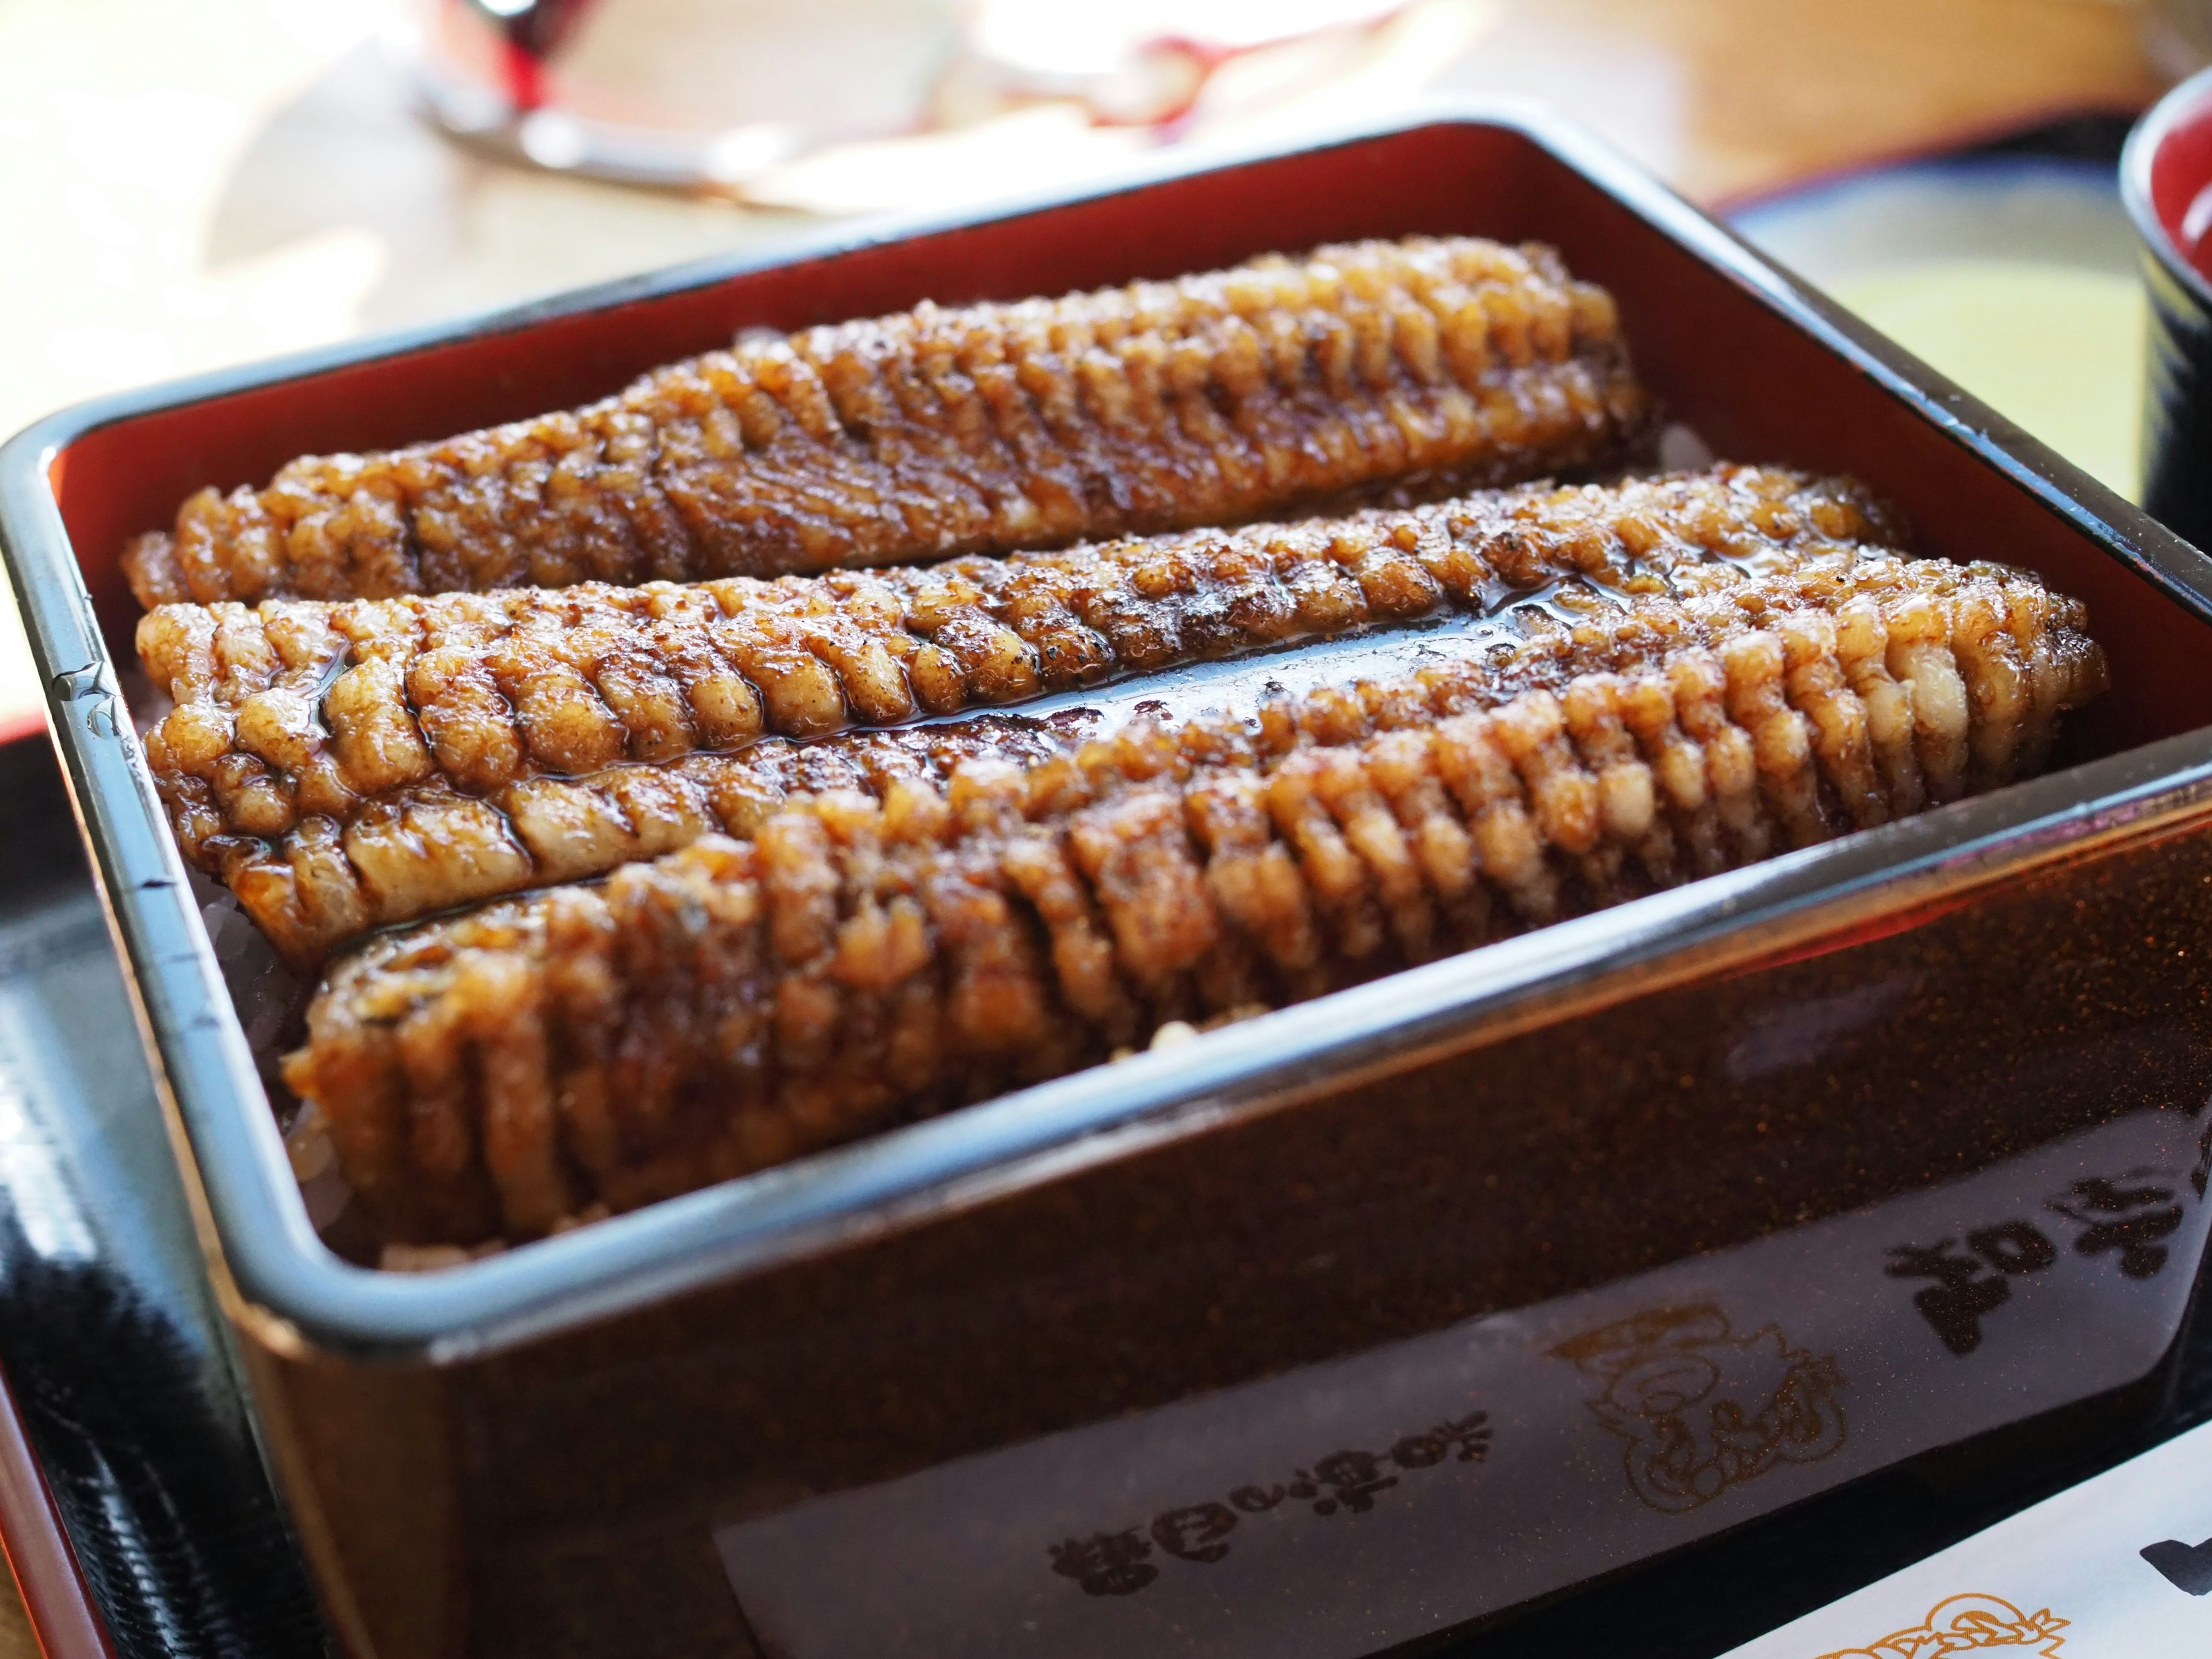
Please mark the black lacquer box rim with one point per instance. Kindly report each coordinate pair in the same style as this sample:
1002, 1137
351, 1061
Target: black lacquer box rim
299, 1297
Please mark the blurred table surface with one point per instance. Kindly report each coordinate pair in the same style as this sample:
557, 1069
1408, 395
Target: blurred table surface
192, 186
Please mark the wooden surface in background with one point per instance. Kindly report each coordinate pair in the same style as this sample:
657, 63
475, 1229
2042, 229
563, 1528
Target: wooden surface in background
16, 1641
1768, 92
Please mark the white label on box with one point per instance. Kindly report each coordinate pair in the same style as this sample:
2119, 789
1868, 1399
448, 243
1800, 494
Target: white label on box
2116, 1568
1340, 1509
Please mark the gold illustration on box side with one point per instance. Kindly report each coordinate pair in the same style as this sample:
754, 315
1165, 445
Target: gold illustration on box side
1973, 1623
1703, 1409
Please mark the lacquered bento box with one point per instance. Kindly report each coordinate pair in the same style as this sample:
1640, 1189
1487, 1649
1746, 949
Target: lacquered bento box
1335, 1329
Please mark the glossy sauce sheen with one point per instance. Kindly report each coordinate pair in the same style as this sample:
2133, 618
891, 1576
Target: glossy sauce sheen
346, 765
1423, 365
875, 955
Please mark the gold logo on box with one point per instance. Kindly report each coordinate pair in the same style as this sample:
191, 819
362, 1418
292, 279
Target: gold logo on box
1968, 1624
1703, 1409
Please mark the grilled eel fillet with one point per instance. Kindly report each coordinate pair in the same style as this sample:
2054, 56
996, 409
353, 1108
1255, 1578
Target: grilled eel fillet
861, 960
349, 765
1208, 400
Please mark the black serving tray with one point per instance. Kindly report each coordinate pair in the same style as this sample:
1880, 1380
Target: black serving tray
119, 1364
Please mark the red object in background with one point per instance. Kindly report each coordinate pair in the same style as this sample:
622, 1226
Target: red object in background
533, 32
2181, 184
525, 80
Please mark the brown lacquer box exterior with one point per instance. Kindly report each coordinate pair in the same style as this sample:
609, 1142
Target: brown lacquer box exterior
1335, 1329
